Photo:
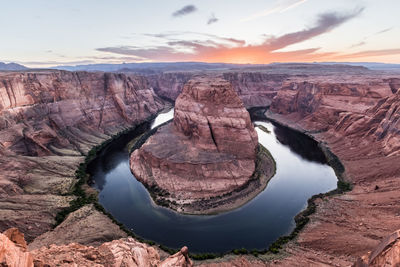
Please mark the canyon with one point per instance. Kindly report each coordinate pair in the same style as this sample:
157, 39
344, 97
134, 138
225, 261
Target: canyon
49, 120
208, 152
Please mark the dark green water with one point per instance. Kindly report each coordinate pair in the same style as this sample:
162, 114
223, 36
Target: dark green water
302, 172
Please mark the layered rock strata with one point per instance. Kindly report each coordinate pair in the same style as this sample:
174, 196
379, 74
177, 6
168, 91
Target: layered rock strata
358, 120
344, 227
49, 120
255, 89
208, 151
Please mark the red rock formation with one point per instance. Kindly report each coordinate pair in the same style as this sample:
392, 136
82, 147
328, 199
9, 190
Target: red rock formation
86, 226
387, 253
169, 85
359, 123
13, 254
17, 237
118, 253
48, 121
43, 113
381, 122
355, 115
255, 89
208, 151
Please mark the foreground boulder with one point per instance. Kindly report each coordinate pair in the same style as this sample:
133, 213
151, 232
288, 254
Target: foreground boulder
117, 253
13, 250
208, 151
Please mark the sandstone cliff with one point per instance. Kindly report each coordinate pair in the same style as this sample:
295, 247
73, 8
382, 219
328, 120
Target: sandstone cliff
208, 151
358, 119
48, 121
355, 115
255, 89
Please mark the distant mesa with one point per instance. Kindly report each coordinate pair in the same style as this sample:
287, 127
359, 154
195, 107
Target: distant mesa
208, 151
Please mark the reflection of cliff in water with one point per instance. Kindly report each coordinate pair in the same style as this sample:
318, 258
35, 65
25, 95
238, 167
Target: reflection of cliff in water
300, 144
113, 154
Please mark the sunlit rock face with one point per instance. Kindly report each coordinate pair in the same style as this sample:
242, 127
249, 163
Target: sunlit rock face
208, 150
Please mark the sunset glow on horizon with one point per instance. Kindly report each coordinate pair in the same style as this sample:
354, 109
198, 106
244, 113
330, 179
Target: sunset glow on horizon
48, 33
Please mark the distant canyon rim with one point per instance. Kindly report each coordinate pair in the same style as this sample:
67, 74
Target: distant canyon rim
51, 119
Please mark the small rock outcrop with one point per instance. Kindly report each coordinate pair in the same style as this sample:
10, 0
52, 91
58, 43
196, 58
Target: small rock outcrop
13, 249
117, 253
387, 253
209, 150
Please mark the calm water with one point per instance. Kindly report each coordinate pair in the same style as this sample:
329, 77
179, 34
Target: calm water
301, 173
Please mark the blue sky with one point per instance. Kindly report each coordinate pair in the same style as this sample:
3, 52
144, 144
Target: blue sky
44, 33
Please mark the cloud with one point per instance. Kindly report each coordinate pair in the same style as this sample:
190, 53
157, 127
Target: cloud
358, 44
173, 34
281, 7
184, 11
212, 19
384, 30
369, 53
325, 23
221, 49
141, 53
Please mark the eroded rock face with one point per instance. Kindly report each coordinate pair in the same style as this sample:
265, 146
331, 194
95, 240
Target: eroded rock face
387, 253
118, 253
86, 226
13, 253
255, 89
357, 119
208, 150
44, 113
48, 121
211, 115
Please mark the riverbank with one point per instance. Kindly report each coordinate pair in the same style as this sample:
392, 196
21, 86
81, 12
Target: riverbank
260, 253
265, 169
263, 252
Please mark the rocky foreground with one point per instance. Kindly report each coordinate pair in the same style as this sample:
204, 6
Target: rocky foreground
123, 252
50, 119
207, 152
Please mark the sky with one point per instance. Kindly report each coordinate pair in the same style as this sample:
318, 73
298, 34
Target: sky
43, 33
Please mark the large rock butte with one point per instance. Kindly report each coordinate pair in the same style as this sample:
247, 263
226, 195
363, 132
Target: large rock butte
209, 150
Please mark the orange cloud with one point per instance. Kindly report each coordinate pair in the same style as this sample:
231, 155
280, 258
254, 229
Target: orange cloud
218, 49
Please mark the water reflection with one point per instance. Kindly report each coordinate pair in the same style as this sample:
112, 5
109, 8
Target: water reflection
300, 144
300, 174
